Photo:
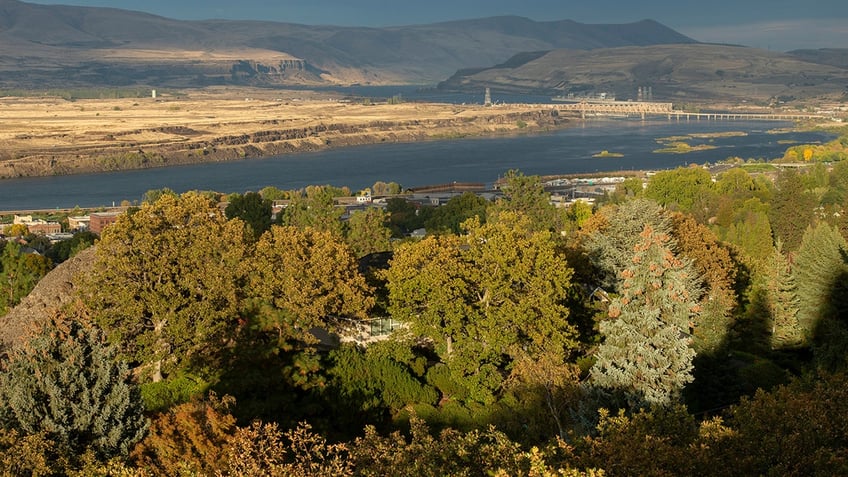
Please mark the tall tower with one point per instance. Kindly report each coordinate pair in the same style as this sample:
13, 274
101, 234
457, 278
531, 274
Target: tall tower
487, 100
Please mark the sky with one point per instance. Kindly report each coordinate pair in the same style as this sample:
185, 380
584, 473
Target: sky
779, 25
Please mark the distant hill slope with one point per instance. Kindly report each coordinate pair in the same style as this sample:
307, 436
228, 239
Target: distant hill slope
673, 72
80, 45
825, 56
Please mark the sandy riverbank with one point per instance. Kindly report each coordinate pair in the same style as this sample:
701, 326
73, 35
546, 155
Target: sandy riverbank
53, 136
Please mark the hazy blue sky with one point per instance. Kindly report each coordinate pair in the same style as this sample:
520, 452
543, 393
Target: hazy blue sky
774, 24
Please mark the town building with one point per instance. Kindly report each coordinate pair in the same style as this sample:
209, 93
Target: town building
100, 220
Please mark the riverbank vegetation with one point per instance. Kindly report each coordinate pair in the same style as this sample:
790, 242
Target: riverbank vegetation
694, 326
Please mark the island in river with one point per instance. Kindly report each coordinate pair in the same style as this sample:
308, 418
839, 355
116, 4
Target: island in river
43, 136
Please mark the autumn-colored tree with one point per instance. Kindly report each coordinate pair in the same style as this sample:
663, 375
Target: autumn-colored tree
542, 395
23, 454
16, 230
264, 450
475, 453
189, 439
793, 430
646, 354
167, 284
714, 264
661, 441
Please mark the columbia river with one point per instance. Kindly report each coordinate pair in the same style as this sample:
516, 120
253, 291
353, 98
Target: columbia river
567, 151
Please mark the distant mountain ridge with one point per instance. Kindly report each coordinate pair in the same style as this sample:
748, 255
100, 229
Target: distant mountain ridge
678, 73
80, 45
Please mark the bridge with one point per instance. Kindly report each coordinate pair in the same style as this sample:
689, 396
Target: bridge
645, 108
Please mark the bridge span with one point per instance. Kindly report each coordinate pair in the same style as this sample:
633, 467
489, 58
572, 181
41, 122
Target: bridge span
645, 108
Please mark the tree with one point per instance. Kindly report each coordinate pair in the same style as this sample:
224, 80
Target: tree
492, 296
66, 249
189, 439
820, 268
380, 188
527, 195
791, 209
458, 209
781, 289
19, 273
367, 231
153, 195
403, 216
17, 230
681, 188
304, 279
714, 264
315, 208
253, 209
752, 233
646, 354
168, 283
611, 241
67, 382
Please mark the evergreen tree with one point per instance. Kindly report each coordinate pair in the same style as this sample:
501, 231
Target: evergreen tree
65, 381
782, 301
253, 209
791, 209
611, 246
646, 354
819, 263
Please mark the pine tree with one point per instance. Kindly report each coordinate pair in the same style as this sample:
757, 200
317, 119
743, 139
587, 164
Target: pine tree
791, 209
782, 301
819, 264
646, 353
66, 382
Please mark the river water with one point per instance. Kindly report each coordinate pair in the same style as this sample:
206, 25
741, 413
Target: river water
565, 151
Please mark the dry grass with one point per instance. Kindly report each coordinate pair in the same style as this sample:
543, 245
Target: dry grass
52, 136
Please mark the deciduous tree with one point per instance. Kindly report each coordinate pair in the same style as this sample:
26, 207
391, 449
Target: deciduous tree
168, 282
493, 295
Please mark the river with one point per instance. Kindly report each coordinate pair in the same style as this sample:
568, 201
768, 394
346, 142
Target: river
565, 151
